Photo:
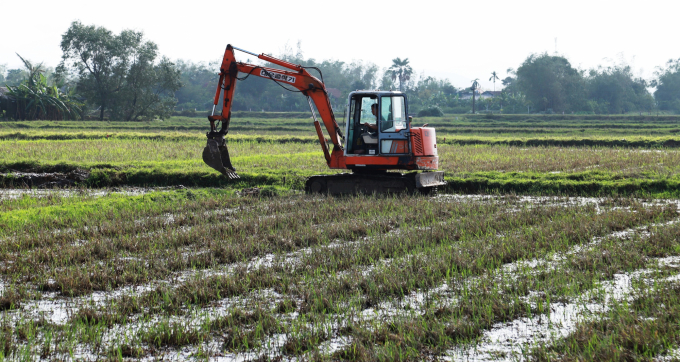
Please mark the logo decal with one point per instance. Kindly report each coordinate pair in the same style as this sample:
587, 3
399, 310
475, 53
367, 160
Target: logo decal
277, 76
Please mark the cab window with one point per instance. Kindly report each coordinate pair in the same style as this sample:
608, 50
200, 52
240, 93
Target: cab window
392, 114
366, 114
360, 113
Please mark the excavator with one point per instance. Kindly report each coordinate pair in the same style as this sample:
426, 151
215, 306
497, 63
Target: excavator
380, 138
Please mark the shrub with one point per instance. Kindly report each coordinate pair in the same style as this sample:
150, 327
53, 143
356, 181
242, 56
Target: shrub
433, 111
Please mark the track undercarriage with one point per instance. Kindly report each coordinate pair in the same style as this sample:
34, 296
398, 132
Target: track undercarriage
375, 183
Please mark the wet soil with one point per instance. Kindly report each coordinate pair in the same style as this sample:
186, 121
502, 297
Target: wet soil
504, 339
44, 179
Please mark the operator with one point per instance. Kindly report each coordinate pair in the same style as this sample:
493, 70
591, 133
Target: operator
374, 110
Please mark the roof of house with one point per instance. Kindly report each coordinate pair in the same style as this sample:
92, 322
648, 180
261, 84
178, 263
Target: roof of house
334, 92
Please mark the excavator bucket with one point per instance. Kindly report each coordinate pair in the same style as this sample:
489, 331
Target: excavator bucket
217, 157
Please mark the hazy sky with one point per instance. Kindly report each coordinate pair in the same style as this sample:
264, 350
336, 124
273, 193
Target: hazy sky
459, 40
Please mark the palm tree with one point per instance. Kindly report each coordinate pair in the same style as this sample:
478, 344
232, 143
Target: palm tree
401, 70
475, 86
493, 78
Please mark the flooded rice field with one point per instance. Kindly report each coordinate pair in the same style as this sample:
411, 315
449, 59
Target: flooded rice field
178, 274
18, 193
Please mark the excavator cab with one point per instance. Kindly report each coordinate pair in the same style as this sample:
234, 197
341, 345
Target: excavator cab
377, 124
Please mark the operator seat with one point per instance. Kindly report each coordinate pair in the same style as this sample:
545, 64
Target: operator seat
370, 138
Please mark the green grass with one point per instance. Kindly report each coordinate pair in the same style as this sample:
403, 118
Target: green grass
159, 161
359, 253
476, 125
155, 273
162, 163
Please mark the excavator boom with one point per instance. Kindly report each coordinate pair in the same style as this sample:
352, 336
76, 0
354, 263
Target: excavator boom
215, 153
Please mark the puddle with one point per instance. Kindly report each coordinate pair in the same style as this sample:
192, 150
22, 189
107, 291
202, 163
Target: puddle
273, 343
552, 200
508, 272
11, 194
548, 264
54, 311
670, 261
58, 309
334, 344
194, 318
266, 299
672, 356
507, 341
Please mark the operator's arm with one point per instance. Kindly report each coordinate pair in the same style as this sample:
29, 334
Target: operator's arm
372, 127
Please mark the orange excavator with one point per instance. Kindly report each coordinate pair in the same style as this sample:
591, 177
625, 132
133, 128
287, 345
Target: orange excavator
379, 138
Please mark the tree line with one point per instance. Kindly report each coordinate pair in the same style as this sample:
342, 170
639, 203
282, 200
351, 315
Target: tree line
119, 76
124, 77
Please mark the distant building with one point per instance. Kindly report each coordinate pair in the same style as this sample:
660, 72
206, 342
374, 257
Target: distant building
335, 96
468, 95
490, 94
334, 92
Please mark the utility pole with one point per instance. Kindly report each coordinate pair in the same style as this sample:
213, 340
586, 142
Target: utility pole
475, 86
473, 102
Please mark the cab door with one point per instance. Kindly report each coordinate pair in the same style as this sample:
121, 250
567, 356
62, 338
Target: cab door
393, 126
362, 134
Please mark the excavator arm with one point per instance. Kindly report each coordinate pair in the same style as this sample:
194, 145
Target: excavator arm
216, 154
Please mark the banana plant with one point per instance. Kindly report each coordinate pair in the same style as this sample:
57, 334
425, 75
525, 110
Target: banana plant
35, 99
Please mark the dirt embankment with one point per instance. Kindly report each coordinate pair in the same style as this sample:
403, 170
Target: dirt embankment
43, 179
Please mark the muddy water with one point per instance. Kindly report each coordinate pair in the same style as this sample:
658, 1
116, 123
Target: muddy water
510, 339
504, 339
8, 194
507, 341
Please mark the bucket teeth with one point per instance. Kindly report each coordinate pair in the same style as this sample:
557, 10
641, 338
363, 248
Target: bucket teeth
217, 157
232, 175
